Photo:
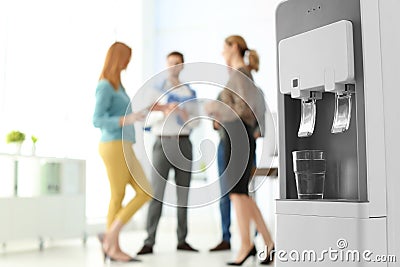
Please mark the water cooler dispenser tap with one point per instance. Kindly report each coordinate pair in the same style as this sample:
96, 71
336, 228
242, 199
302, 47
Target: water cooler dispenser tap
342, 116
308, 114
316, 62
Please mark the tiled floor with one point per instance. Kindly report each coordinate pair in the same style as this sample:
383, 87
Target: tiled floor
204, 233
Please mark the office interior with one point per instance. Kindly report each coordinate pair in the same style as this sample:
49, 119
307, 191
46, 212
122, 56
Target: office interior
51, 55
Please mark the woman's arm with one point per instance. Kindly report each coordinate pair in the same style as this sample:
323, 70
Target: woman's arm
101, 119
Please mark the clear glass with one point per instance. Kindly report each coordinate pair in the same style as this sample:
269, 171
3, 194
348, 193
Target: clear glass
309, 167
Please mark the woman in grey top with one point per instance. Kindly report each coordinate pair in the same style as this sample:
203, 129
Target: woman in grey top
237, 114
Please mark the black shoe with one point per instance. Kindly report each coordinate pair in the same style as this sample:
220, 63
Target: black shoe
252, 252
270, 258
186, 247
145, 250
224, 245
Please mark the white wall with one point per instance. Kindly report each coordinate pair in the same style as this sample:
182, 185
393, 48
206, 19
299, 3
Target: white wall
51, 55
198, 29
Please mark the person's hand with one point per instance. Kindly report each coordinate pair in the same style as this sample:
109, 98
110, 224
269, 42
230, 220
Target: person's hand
211, 109
133, 117
216, 125
183, 114
170, 108
256, 134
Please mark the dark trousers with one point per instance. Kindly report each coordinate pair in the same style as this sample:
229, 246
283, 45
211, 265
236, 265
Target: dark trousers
224, 202
167, 155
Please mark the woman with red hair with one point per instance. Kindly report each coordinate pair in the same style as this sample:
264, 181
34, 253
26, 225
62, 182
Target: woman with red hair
113, 115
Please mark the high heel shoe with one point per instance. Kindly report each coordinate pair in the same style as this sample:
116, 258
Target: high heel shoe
107, 257
270, 258
100, 237
252, 252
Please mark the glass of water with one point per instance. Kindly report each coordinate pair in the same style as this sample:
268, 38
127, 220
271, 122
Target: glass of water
309, 167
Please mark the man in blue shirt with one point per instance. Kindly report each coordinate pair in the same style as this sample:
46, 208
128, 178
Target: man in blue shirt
175, 106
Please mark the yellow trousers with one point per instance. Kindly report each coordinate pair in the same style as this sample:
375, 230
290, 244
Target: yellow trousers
123, 168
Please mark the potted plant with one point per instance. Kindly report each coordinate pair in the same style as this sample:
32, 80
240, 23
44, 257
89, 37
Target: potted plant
203, 166
34, 140
16, 138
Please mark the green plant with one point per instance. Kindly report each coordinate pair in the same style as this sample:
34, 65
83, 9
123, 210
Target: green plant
34, 139
203, 166
15, 137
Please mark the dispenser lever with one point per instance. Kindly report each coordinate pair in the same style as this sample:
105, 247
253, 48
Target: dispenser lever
308, 114
342, 116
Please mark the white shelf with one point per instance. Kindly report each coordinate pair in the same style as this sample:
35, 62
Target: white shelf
49, 201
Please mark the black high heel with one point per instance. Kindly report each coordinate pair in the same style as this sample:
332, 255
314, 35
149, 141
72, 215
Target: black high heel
252, 252
270, 258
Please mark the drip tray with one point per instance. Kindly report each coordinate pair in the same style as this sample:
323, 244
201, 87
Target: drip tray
326, 200
343, 208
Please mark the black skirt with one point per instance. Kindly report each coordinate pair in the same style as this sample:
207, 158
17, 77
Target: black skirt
239, 156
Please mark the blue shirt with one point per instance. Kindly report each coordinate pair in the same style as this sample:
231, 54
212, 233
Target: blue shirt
173, 124
110, 105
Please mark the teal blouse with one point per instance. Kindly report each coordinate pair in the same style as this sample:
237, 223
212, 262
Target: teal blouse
110, 106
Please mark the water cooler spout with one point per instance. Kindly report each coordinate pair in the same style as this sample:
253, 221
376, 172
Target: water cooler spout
308, 114
342, 116
315, 62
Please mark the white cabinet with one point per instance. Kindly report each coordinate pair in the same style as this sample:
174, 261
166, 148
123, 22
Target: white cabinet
41, 197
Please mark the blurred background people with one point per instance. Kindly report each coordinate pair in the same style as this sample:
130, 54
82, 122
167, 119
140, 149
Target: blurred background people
225, 202
113, 115
175, 104
240, 95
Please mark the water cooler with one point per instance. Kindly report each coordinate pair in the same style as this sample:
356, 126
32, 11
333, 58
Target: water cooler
339, 88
